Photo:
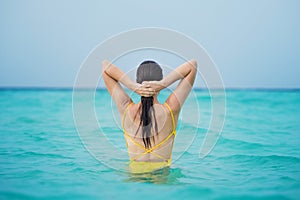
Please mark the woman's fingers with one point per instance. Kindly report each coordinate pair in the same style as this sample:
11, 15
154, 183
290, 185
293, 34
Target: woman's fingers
145, 90
155, 85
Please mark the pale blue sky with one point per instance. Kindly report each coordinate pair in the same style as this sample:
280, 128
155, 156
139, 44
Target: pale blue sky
253, 43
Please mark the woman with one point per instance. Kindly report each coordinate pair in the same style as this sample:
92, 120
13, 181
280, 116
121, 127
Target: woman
149, 127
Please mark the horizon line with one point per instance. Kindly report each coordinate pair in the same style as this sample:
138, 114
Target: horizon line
104, 88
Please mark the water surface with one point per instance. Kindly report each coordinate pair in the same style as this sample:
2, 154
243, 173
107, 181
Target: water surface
257, 155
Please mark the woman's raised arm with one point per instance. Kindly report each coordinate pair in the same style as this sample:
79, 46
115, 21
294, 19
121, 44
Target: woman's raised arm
112, 75
186, 73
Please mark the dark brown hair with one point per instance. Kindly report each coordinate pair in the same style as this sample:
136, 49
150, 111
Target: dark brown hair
147, 71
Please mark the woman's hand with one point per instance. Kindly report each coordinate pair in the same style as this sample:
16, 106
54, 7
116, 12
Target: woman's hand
144, 90
157, 86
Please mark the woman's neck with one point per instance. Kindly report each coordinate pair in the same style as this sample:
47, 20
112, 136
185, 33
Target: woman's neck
155, 100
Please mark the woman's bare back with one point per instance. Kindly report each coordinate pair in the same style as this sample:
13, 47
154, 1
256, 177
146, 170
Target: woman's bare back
162, 119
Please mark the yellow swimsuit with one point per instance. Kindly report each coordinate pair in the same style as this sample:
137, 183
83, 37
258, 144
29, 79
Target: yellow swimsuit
142, 166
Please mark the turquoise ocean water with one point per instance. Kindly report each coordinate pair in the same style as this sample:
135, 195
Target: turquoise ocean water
256, 157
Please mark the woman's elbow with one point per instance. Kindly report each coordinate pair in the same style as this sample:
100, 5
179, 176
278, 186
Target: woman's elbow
105, 66
193, 64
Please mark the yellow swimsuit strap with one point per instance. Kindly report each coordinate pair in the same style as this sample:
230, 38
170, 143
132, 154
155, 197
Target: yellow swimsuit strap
173, 119
156, 146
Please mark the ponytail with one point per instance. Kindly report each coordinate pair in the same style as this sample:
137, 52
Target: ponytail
146, 120
147, 71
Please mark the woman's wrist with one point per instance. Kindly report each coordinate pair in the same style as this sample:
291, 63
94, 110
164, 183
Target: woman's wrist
163, 84
134, 86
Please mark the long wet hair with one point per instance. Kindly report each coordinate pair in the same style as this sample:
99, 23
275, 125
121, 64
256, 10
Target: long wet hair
147, 71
